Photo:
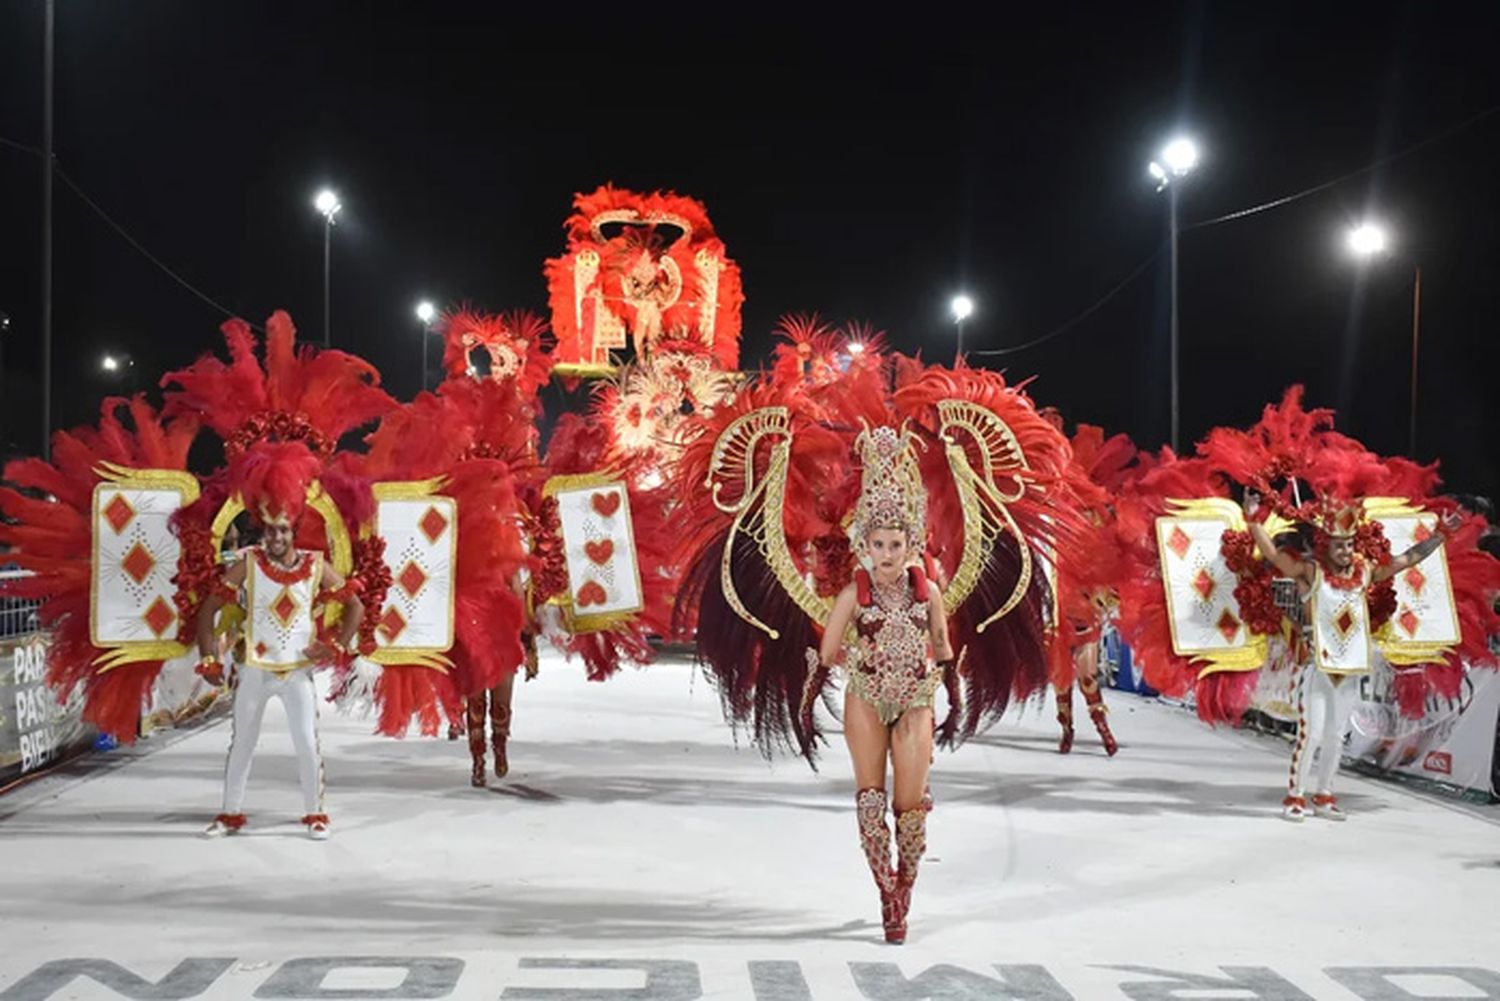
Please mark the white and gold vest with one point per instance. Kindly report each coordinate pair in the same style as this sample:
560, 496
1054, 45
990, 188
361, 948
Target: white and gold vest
1341, 624
278, 610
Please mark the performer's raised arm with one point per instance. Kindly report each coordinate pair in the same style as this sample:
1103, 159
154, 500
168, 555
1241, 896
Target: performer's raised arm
1285, 563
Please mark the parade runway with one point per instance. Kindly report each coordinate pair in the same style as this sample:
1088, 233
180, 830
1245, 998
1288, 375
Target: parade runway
636, 852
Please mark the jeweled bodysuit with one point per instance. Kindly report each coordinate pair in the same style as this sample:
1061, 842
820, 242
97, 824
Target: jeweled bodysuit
890, 667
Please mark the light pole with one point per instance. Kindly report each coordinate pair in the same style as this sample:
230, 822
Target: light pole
963, 308
1369, 240
328, 204
426, 313
1178, 158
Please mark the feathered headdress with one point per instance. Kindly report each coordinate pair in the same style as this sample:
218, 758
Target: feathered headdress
308, 395
891, 492
513, 341
272, 478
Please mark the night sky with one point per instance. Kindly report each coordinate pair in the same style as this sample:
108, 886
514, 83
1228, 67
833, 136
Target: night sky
865, 169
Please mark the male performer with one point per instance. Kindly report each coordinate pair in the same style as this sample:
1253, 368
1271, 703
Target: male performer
1335, 584
279, 587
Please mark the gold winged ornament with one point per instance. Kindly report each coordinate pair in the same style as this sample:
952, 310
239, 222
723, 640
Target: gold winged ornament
891, 486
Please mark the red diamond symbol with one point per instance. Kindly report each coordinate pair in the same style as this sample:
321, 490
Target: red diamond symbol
260, 649
1179, 542
392, 624
1204, 584
118, 513
433, 524
138, 563
1228, 625
1416, 580
159, 617
411, 578
1423, 533
1344, 622
1409, 621
284, 607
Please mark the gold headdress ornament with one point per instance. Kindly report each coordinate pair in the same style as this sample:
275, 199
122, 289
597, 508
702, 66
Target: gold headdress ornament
279, 517
891, 493
1338, 519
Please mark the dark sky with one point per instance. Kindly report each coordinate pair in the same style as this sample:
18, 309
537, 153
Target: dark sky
865, 168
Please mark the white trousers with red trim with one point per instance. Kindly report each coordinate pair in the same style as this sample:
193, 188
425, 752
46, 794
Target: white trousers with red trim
1323, 710
253, 689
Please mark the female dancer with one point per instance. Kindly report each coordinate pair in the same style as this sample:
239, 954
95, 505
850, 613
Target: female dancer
892, 682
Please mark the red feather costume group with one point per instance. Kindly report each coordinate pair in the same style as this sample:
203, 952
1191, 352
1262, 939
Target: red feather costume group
699, 505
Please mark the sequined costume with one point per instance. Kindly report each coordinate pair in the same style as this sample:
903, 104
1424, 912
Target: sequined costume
891, 666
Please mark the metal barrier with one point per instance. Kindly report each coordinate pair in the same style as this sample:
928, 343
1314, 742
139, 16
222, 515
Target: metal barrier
18, 616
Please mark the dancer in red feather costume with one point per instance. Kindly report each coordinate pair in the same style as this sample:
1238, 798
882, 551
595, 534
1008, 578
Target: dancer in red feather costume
1088, 588
478, 434
281, 588
924, 461
1294, 467
281, 422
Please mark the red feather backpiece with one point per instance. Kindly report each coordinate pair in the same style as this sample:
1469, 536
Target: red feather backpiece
1304, 468
477, 436
798, 436
52, 507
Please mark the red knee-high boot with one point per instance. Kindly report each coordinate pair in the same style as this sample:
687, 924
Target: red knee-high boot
1065, 717
500, 724
474, 711
911, 844
1099, 712
875, 839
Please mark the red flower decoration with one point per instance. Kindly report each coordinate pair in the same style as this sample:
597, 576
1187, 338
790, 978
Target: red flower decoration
277, 425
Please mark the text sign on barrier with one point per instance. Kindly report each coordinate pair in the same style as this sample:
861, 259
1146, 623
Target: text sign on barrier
1453, 743
35, 730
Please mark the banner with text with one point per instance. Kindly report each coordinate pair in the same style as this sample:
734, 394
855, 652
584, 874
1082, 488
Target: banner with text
35, 731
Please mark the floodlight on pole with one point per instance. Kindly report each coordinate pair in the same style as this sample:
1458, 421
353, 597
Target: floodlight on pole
328, 204
963, 308
426, 313
1179, 157
1367, 240
109, 363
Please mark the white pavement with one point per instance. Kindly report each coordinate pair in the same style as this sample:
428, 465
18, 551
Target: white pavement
636, 852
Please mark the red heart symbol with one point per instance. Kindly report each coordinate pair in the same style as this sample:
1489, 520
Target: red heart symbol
606, 504
600, 551
591, 593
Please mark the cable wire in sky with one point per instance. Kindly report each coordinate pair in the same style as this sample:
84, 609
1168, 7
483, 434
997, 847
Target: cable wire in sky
1055, 332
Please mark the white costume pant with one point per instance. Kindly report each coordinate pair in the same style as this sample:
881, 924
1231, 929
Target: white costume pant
252, 690
1323, 710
